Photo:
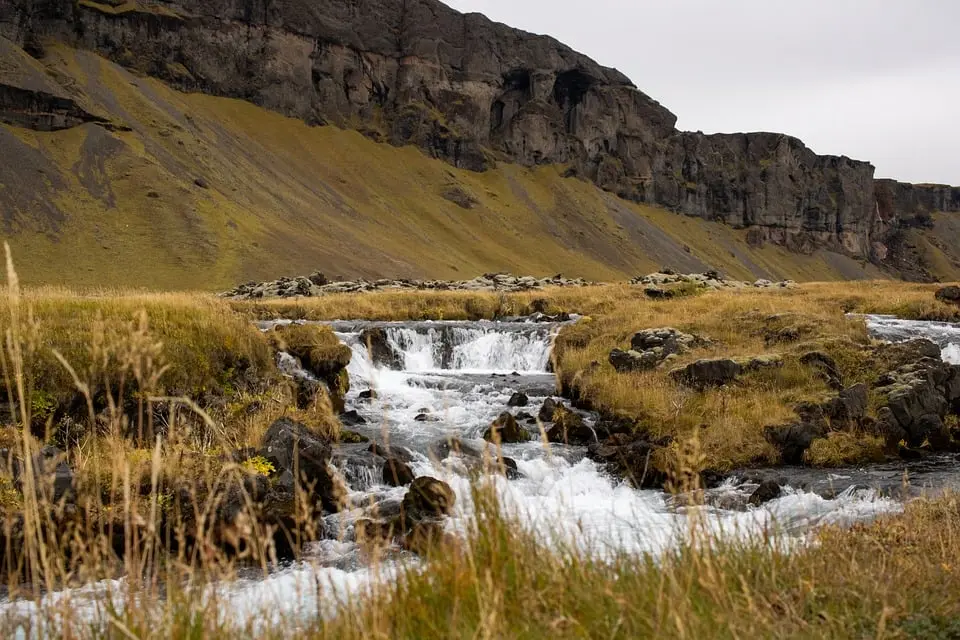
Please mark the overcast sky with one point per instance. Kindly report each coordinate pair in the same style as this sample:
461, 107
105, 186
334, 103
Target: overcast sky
875, 80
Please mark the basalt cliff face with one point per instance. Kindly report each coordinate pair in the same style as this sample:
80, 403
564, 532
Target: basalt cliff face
473, 93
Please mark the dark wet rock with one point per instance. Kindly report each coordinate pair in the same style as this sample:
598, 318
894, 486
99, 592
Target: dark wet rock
825, 366
352, 419
445, 447
518, 399
291, 446
546, 410
428, 498
907, 453
505, 429
369, 394
950, 294
916, 397
792, 440
523, 415
422, 417
401, 453
767, 491
849, 407
569, 428
381, 353
396, 472
628, 456
707, 373
510, 468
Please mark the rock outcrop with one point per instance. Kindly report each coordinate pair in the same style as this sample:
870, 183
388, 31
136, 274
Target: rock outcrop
652, 347
472, 92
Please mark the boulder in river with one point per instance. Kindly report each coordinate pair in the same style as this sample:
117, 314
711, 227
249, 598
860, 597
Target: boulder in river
381, 353
427, 498
916, 397
569, 428
518, 399
291, 446
546, 410
396, 472
767, 491
505, 429
629, 456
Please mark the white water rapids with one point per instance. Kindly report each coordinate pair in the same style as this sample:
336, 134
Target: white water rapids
453, 381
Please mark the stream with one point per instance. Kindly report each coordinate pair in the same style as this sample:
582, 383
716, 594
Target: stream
453, 379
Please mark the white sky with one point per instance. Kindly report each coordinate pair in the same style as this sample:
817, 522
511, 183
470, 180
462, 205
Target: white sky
875, 80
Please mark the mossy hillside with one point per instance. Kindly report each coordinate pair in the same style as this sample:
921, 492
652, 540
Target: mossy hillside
206, 192
129, 347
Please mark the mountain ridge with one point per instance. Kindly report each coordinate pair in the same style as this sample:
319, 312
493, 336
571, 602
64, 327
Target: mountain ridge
475, 94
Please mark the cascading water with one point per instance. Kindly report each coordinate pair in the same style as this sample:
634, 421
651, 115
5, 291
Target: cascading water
457, 377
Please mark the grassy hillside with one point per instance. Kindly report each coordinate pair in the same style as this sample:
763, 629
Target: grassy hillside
205, 192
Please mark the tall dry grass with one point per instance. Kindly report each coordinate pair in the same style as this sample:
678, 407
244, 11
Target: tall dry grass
155, 404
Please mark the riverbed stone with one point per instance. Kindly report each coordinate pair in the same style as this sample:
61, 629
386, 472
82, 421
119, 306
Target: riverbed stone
547, 409
518, 399
767, 491
396, 472
507, 430
570, 428
428, 498
629, 456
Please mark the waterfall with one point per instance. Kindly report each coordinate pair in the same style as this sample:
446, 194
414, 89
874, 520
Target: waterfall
462, 347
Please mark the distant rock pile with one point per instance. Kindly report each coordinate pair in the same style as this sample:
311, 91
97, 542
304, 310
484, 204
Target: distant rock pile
316, 284
709, 280
651, 347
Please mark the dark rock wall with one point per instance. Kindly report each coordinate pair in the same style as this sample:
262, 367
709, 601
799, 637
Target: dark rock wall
471, 92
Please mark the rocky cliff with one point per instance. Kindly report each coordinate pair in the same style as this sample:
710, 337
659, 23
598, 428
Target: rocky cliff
472, 92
